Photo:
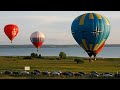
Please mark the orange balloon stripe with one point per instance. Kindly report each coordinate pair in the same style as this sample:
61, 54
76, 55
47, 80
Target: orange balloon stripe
100, 48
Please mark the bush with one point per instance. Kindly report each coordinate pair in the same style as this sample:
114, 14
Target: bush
34, 55
52, 58
58, 58
78, 60
62, 55
39, 56
27, 57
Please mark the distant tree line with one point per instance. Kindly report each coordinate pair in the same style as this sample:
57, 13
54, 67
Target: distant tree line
62, 55
33, 55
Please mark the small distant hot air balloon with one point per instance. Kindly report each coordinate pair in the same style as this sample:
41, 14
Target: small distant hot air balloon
11, 30
37, 38
91, 30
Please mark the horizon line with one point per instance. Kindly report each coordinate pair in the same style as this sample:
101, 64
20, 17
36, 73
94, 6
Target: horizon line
54, 44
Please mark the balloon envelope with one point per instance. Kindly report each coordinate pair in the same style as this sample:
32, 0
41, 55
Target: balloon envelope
100, 48
37, 38
90, 30
11, 30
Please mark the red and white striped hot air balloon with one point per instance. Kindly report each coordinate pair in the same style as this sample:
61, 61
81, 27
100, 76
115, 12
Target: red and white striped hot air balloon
37, 38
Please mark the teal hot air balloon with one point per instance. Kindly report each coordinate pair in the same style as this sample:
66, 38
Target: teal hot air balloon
90, 30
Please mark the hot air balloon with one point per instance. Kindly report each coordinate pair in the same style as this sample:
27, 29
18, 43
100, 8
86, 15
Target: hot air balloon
11, 30
90, 30
37, 38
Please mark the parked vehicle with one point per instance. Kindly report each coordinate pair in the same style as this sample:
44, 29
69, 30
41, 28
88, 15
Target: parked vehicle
36, 72
117, 75
108, 75
24, 73
16, 72
78, 74
82, 73
46, 73
55, 73
67, 73
94, 74
8, 72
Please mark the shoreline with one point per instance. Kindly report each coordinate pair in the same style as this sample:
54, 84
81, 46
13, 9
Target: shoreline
51, 46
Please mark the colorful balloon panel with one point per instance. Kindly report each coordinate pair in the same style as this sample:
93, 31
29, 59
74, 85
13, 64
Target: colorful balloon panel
37, 44
100, 48
90, 30
37, 38
11, 31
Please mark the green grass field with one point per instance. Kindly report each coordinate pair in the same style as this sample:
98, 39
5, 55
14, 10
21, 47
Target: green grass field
17, 63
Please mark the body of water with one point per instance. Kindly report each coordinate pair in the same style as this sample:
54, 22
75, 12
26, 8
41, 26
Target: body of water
107, 52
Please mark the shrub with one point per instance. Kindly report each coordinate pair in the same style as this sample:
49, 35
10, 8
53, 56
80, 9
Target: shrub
27, 57
34, 55
78, 60
58, 58
62, 55
51, 58
39, 56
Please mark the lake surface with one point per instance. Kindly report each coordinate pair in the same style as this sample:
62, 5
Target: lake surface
107, 52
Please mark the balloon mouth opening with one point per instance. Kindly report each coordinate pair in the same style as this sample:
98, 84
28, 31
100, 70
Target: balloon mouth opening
90, 53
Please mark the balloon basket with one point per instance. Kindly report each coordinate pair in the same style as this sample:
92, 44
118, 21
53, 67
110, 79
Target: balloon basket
90, 60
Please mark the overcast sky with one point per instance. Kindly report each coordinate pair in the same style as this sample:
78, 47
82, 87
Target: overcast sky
56, 25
